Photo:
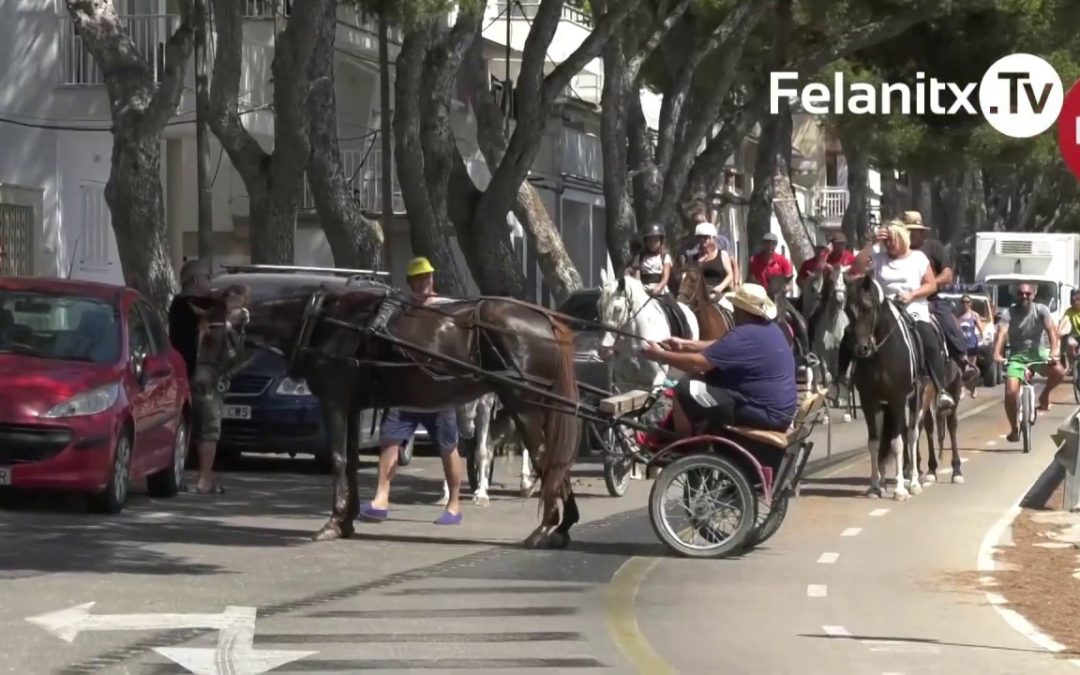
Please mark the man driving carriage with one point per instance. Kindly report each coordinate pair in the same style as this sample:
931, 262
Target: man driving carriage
746, 378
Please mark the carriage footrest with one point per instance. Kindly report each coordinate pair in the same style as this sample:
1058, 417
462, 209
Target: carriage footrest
624, 403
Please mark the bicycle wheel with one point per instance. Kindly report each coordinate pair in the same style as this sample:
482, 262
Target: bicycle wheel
1027, 413
1075, 384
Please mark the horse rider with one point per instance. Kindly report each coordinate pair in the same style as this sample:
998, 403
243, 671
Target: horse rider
746, 378
767, 263
813, 266
906, 276
1024, 323
715, 263
652, 264
840, 255
400, 425
941, 263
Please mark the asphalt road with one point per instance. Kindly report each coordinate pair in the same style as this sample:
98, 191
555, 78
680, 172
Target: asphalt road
899, 593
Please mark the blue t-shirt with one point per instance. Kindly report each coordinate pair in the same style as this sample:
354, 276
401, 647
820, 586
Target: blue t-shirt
755, 361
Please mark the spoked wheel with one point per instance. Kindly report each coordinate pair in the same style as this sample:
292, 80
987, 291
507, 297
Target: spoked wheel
1075, 383
1028, 414
618, 464
702, 506
769, 519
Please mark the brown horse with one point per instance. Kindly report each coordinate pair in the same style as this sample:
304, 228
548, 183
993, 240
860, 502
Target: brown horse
713, 321
349, 369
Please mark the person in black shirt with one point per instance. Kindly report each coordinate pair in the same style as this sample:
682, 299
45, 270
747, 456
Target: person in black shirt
942, 265
183, 322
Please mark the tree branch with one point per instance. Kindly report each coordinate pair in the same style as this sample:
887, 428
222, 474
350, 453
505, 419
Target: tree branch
177, 52
865, 36
588, 50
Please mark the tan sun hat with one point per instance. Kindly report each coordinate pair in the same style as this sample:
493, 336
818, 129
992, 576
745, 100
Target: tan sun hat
913, 221
753, 299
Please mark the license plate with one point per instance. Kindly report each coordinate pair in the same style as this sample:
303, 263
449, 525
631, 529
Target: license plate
5, 475
236, 412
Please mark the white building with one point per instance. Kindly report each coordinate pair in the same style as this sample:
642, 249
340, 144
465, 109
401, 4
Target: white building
54, 130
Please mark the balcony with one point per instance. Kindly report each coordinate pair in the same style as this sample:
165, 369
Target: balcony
527, 9
831, 202
580, 155
347, 14
363, 173
149, 33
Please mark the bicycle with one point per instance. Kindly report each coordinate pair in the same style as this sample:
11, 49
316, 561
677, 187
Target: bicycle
1027, 411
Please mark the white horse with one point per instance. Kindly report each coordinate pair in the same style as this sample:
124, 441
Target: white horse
830, 321
625, 305
479, 420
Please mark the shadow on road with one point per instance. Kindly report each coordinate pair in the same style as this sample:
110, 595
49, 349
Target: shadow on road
911, 643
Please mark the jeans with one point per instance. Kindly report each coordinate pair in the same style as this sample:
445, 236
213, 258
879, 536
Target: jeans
955, 344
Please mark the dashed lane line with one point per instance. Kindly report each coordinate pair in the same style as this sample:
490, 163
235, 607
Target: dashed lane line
851, 532
817, 591
828, 558
877, 513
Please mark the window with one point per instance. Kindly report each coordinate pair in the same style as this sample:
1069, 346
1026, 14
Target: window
61, 327
138, 335
1045, 293
832, 169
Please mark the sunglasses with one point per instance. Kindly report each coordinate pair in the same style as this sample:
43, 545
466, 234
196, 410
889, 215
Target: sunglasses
1026, 295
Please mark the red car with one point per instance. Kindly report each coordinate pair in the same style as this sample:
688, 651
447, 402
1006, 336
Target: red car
92, 394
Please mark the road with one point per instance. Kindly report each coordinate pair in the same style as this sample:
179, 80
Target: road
849, 585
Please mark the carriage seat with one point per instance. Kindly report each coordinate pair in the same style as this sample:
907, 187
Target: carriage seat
810, 404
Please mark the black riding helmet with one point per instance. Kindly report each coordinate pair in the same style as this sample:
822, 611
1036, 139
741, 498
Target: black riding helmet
653, 230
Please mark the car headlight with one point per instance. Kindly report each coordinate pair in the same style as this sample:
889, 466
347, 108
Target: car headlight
292, 387
87, 403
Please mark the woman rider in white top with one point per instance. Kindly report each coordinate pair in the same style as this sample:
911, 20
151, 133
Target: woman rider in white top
907, 277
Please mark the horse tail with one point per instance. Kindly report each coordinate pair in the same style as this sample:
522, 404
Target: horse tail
561, 428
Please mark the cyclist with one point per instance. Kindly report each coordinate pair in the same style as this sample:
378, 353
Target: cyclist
1024, 324
1069, 328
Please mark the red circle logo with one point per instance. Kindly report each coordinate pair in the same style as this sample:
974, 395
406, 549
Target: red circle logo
1069, 130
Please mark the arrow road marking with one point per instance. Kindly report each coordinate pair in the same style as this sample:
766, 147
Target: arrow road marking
233, 655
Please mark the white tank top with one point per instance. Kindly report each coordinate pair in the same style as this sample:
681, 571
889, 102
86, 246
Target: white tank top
903, 275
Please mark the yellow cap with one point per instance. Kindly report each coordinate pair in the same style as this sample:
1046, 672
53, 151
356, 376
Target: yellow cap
418, 266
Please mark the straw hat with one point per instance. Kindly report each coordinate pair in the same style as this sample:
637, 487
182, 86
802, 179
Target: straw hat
913, 221
753, 299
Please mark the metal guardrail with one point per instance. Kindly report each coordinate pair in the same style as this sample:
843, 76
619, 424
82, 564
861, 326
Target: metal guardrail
1068, 456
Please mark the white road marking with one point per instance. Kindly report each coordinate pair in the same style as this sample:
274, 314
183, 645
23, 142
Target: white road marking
234, 653
817, 591
851, 532
986, 563
836, 631
991, 442
901, 647
828, 558
879, 512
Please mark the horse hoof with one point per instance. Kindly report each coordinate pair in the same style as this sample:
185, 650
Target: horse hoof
957, 478
328, 532
930, 478
916, 489
901, 495
874, 493
558, 539
481, 500
536, 540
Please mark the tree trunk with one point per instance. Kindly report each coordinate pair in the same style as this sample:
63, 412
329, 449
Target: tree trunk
355, 241
620, 227
856, 216
759, 215
386, 130
141, 105
274, 182
429, 232
891, 205
202, 137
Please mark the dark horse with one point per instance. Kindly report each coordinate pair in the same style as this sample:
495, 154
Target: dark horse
348, 368
888, 376
794, 325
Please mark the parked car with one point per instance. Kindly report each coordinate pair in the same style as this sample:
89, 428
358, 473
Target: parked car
983, 305
265, 410
94, 396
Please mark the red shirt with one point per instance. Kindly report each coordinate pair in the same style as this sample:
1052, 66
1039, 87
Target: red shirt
845, 259
810, 268
764, 266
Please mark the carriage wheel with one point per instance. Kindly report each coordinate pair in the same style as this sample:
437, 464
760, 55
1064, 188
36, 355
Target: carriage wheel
768, 521
702, 506
617, 474
1075, 383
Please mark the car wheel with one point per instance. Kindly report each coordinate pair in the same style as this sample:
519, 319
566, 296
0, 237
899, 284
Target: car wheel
113, 498
169, 481
405, 453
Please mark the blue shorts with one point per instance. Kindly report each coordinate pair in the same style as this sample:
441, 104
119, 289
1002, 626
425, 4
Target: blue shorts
400, 425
